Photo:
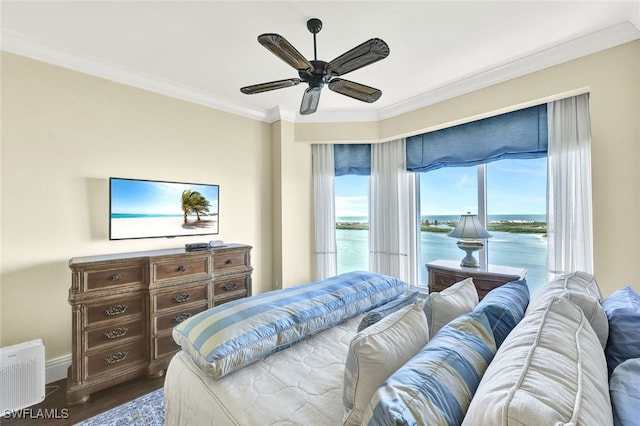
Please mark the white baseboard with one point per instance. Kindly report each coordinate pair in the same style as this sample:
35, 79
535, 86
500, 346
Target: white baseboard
56, 369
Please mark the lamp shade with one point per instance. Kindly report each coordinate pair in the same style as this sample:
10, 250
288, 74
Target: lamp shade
469, 227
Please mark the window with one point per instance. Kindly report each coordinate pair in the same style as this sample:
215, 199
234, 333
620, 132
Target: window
515, 200
516, 209
486, 167
352, 220
445, 194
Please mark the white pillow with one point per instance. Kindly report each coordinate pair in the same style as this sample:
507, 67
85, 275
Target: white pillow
582, 289
443, 307
550, 370
377, 352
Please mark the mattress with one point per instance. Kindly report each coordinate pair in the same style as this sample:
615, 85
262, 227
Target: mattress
300, 385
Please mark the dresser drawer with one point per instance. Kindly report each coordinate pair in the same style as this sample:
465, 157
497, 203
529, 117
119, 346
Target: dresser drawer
229, 286
444, 273
180, 297
170, 320
115, 309
231, 259
223, 300
117, 276
484, 285
441, 280
164, 345
115, 334
115, 359
183, 268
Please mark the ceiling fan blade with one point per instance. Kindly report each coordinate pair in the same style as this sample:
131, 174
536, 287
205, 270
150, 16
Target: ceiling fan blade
280, 47
355, 90
310, 100
272, 85
367, 53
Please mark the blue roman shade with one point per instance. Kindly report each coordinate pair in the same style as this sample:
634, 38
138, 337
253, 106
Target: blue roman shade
518, 134
352, 159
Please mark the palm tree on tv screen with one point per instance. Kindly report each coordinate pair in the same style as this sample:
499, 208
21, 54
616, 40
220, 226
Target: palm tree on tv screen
194, 202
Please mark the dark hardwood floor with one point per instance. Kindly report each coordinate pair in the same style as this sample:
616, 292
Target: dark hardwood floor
55, 403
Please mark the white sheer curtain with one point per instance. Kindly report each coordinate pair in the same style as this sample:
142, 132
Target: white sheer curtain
324, 210
569, 217
392, 213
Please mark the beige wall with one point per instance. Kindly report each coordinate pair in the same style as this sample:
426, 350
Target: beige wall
292, 208
63, 135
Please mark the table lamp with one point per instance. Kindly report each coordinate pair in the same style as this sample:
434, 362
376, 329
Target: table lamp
469, 231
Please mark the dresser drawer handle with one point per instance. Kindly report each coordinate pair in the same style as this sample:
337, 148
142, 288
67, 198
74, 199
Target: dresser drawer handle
181, 268
182, 297
183, 316
230, 286
116, 310
115, 277
117, 332
115, 358
229, 262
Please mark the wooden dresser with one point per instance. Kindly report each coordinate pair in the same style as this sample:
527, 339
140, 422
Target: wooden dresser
444, 273
125, 305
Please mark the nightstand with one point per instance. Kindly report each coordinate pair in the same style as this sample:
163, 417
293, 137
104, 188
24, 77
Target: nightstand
444, 273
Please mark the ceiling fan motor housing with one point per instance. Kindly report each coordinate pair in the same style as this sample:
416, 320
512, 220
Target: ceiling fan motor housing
316, 76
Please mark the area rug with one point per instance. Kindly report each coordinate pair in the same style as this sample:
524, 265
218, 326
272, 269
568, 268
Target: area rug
146, 410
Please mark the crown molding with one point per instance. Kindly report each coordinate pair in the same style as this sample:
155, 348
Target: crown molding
334, 116
278, 113
20, 45
594, 42
571, 49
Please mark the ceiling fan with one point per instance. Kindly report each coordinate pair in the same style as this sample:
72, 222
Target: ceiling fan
316, 73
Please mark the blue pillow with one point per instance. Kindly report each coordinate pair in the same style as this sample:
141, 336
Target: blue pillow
624, 388
505, 307
437, 384
623, 311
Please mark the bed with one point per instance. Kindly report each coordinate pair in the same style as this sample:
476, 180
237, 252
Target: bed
297, 357
277, 358
272, 385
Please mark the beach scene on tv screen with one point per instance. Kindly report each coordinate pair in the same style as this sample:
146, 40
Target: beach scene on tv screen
146, 209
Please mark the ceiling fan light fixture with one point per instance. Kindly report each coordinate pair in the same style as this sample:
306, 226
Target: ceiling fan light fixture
310, 100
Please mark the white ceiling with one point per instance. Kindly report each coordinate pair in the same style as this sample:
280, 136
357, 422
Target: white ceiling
204, 51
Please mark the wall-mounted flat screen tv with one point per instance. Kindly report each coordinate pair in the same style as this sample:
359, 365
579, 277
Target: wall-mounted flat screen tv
152, 209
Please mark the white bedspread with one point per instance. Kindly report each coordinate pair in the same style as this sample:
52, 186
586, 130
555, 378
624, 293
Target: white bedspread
301, 385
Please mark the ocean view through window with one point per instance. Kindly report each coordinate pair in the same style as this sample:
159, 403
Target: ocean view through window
524, 250
516, 216
352, 220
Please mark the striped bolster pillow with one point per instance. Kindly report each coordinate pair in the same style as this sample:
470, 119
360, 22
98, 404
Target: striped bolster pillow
505, 307
230, 336
436, 386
